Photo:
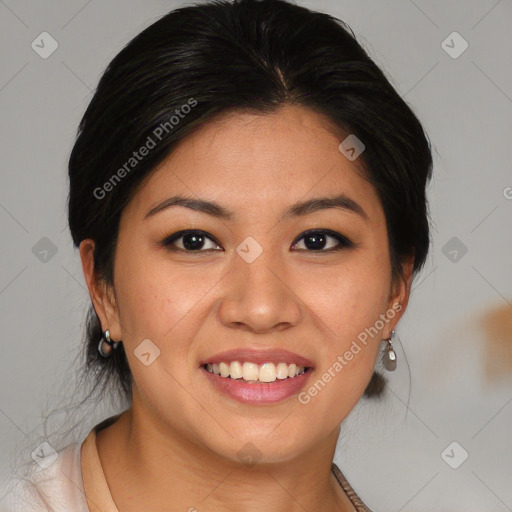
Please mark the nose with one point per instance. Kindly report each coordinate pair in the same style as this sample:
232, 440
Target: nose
259, 297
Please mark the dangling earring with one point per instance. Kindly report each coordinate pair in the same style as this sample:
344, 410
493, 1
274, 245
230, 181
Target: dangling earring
389, 355
106, 346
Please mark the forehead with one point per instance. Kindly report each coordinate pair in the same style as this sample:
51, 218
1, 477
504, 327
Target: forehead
259, 161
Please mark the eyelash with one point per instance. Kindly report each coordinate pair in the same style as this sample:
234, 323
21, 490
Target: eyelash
344, 242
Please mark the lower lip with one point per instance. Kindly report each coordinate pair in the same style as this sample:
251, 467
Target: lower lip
258, 392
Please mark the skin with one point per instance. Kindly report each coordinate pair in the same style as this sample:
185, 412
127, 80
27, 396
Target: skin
177, 445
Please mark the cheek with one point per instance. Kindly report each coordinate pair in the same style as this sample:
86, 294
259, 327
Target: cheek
155, 304
162, 304
353, 298
355, 302
150, 297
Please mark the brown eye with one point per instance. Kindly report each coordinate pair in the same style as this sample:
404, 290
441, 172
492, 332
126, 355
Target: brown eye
318, 240
314, 241
190, 241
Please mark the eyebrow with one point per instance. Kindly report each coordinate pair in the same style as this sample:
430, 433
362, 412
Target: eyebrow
299, 209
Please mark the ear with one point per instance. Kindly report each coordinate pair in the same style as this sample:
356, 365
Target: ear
102, 297
399, 294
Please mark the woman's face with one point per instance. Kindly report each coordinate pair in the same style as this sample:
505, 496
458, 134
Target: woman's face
253, 282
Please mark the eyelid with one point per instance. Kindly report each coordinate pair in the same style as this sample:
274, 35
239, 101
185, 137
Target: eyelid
169, 240
342, 239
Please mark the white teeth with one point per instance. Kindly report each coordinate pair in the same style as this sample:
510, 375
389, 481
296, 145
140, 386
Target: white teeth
267, 372
224, 370
282, 371
252, 372
235, 370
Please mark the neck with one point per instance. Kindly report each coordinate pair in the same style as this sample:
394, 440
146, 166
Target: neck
148, 467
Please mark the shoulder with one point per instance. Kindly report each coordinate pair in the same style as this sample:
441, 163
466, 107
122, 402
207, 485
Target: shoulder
53, 482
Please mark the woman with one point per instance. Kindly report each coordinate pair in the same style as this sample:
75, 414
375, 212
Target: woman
247, 193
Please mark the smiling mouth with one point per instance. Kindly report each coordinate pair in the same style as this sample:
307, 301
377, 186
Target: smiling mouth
252, 372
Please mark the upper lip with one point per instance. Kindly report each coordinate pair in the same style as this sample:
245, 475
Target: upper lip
258, 357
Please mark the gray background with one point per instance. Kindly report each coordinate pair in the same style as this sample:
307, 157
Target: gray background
457, 332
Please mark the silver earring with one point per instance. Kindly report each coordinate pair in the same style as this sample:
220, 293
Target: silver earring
106, 346
389, 355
